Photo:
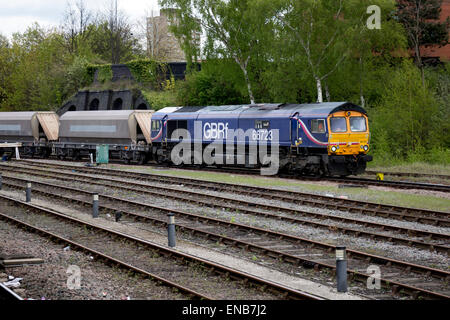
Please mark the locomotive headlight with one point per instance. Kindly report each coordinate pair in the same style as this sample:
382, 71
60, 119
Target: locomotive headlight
333, 148
366, 147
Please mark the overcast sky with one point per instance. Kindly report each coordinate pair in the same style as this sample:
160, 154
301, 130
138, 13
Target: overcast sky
17, 15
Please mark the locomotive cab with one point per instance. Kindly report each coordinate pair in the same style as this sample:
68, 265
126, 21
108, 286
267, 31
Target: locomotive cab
348, 142
348, 133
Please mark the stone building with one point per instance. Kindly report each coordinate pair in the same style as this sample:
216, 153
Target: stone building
162, 45
105, 100
91, 100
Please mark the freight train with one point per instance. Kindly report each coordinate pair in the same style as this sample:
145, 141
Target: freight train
311, 139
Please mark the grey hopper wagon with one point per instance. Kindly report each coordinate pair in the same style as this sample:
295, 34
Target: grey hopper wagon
34, 130
126, 132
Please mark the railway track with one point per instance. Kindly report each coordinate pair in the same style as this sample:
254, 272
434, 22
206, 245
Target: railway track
411, 174
401, 277
392, 184
429, 240
351, 181
163, 261
300, 198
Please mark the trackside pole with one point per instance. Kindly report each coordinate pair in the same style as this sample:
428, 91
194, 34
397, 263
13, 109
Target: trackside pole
95, 206
171, 230
341, 269
28, 192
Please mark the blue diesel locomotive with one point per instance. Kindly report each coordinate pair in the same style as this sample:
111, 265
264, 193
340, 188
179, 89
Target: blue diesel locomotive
314, 139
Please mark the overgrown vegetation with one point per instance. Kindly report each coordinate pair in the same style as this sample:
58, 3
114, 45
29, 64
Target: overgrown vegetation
262, 50
303, 53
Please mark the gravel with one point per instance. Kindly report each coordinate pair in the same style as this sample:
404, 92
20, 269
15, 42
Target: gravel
191, 275
49, 280
405, 253
319, 234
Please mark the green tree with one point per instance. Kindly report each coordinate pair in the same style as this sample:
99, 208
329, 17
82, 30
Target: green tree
419, 17
320, 29
6, 67
369, 45
407, 113
218, 83
233, 28
36, 80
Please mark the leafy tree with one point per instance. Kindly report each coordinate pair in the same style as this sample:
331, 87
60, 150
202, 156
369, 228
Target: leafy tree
218, 83
419, 19
6, 67
320, 29
35, 82
77, 19
406, 114
123, 47
368, 45
233, 28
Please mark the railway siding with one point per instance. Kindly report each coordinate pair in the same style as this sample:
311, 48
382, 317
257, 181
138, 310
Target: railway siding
280, 254
134, 243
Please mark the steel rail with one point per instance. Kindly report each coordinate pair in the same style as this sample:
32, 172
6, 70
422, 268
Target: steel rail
360, 181
221, 269
409, 214
221, 202
277, 254
410, 174
394, 184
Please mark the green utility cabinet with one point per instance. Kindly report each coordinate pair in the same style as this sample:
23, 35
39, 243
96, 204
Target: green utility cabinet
102, 155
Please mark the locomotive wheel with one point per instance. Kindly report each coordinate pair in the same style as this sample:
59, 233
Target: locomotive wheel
142, 159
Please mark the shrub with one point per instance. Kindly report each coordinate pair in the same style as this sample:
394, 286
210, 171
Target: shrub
160, 99
204, 88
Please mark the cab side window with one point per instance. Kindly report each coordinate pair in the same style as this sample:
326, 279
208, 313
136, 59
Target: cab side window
156, 125
318, 126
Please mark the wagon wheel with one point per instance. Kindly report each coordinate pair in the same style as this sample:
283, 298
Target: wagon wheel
76, 156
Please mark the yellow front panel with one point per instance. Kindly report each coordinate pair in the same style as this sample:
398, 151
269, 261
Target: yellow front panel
348, 142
